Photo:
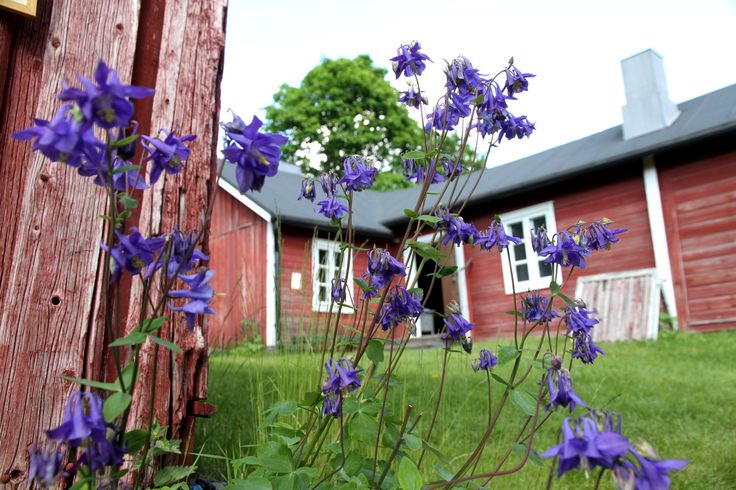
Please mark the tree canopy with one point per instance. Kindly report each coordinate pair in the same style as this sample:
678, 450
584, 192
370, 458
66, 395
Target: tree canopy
343, 107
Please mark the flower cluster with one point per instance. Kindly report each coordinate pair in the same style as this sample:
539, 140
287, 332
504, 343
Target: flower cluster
84, 428
400, 306
578, 242
341, 378
104, 102
467, 88
255, 154
596, 440
579, 328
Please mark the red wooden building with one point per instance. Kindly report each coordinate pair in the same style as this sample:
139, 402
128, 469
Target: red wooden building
668, 174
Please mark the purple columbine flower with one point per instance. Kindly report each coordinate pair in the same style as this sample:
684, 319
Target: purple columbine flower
199, 293
453, 169
445, 116
456, 229
45, 464
585, 446
417, 172
409, 60
462, 76
358, 175
82, 420
329, 183
332, 208
338, 290
561, 393
516, 127
181, 256
577, 318
168, 154
308, 189
342, 378
516, 81
456, 325
653, 474
496, 236
401, 306
584, 348
598, 236
382, 268
566, 252
65, 138
485, 361
413, 98
255, 154
102, 454
534, 308
132, 253
539, 239
122, 181
106, 100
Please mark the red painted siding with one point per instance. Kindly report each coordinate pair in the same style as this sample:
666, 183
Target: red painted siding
699, 200
238, 257
622, 200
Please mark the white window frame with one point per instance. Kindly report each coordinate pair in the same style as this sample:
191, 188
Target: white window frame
524, 215
331, 247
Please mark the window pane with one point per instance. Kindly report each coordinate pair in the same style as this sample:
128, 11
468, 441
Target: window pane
545, 270
517, 230
522, 273
519, 252
539, 221
322, 294
322, 275
337, 260
323, 257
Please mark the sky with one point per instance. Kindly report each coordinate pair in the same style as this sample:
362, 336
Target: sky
574, 48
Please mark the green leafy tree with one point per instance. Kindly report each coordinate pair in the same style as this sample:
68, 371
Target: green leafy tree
344, 107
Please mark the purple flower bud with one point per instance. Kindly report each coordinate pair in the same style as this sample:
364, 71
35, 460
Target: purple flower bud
308, 189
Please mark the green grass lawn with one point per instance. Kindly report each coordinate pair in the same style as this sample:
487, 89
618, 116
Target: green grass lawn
679, 393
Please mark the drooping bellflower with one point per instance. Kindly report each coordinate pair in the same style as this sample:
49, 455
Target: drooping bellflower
456, 230
382, 268
487, 360
598, 236
413, 98
181, 256
456, 326
539, 239
579, 328
516, 127
461, 76
653, 474
496, 236
418, 173
82, 419
565, 252
338, 291
535, 308
400, 306
45, 464
308, 189
132, 253
105, 101
255, 154
199, 295
358, 174
559, 383
168, 154
332, 208
408, 60
342, 378
516, 81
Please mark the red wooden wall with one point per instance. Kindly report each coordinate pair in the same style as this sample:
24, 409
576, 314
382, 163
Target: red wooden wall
622, 200
699, 201
238, 248
50, 276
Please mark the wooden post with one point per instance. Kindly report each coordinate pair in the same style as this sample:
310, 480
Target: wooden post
51, 265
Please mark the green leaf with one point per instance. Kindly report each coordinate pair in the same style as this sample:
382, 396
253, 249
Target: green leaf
524, 401
255, 483
514, 313
125, 141
444, 271
363, 428
150, 325
410, 213
126, 200
94, 384
374, 351
133, 338
285, 408
426, 251
537, 363
428, 218
413, 443
362, 285
508, 353
414, 155
440, 456
134, 440
500, 379
166, 343
124, 168
554, 288
172, 474
409, 476
115, 405
444, 473
311, 398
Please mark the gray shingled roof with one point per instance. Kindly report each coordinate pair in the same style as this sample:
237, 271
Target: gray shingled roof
705, 116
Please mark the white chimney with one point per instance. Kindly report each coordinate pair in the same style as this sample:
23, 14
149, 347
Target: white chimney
648, 106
